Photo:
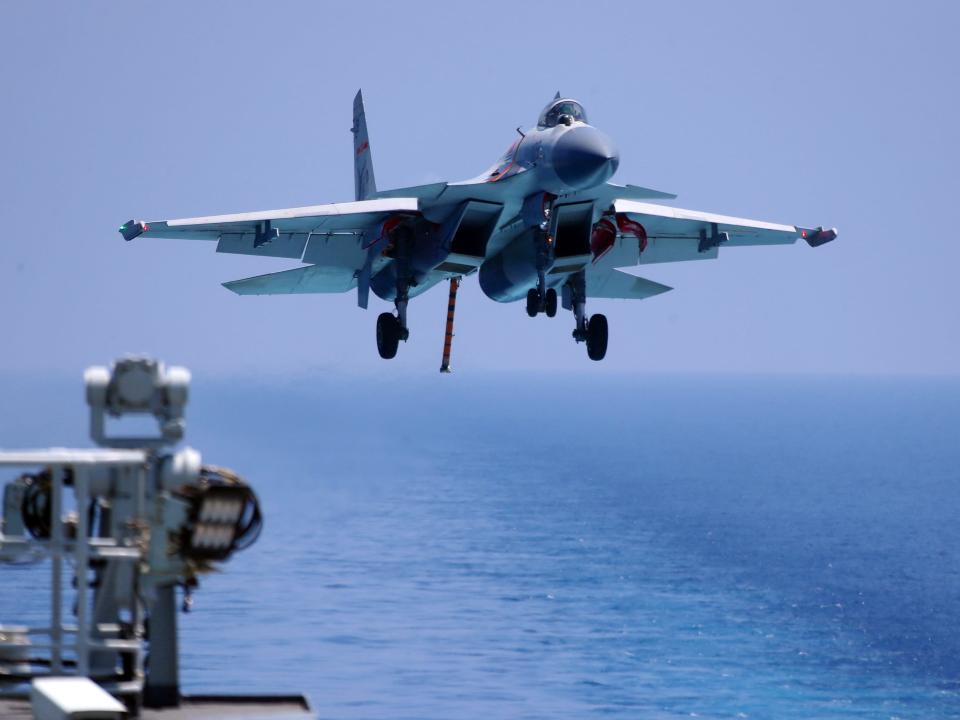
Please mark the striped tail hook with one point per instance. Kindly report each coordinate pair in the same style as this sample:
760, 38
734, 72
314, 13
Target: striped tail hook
448, 337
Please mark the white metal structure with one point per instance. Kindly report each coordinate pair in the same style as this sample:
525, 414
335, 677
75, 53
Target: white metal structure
133, 521
77, 698
74, 644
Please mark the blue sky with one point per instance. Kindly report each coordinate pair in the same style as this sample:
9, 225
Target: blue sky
841, 114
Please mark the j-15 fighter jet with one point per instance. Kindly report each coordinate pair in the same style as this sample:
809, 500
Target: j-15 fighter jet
543, 225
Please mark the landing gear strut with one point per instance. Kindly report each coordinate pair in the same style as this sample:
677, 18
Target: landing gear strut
391, 329
593, 331
542, 299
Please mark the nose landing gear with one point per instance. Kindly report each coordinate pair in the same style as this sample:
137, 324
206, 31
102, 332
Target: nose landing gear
550, 303
537, 303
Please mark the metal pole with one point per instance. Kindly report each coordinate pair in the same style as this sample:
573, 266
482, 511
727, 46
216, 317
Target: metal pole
448, 337
56, 564
163, 682
83, 570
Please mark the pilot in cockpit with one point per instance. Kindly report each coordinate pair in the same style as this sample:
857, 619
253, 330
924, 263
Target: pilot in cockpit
564, 112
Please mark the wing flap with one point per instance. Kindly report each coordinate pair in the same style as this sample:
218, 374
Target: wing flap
302, 280
285, 245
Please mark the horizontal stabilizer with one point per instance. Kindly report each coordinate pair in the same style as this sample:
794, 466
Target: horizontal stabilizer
309, 279
421, 192
622, 285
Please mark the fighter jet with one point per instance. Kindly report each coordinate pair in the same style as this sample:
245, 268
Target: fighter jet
543, 224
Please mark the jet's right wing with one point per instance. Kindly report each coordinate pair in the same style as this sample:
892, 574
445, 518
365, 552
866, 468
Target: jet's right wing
301, 233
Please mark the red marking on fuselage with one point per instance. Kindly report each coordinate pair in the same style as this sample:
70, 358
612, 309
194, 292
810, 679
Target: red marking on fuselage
386, 227
512, 152
602, 238
632, 227
365, 146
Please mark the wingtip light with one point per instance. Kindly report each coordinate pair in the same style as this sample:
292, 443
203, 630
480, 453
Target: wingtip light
818, 236
133, 229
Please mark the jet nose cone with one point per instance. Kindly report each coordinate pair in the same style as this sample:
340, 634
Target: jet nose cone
584, 157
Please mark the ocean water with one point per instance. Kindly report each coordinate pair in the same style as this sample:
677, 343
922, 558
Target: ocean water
577, 545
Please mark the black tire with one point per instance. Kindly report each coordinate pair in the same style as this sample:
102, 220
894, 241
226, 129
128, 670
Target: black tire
388, 335
533, 302
597, 337
550, 303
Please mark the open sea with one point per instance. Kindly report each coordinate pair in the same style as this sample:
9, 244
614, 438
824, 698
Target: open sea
569, 546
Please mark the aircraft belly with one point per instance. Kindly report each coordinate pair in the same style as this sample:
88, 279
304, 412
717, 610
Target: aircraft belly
507, 275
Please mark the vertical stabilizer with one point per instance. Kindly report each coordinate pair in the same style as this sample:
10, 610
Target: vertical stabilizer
364, 184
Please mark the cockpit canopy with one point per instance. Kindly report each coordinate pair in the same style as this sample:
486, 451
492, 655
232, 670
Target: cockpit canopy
559, 110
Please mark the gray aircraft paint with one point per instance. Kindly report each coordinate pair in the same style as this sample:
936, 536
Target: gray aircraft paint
544, 218
365, 186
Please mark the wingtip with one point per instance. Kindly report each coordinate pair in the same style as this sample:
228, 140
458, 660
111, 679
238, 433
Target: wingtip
132, 229
818, 236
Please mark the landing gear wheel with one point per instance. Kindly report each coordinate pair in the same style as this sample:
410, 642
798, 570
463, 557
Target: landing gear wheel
388, 335
550, 303
533, 302
597, 337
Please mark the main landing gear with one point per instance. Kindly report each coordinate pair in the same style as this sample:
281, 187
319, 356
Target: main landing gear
391, 329
389, 334
594, 331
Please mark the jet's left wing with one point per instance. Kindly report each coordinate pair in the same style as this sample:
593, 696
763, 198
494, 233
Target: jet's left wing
676, 234
671, 234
